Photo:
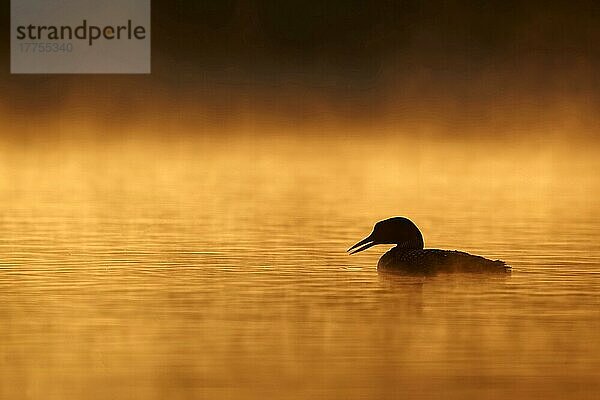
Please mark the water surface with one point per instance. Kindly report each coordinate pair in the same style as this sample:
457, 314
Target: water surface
216, 269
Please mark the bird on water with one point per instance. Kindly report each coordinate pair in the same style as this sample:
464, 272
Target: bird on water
411, 256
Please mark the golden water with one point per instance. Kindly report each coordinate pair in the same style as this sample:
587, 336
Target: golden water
215, 269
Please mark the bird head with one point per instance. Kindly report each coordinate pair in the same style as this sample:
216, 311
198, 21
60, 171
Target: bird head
397, 230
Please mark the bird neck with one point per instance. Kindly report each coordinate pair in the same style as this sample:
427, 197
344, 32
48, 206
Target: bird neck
415, 243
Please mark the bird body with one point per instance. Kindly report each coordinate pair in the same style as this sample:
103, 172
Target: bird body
411, 256
430, 261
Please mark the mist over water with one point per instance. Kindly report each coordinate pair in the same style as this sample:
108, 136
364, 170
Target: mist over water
215, 267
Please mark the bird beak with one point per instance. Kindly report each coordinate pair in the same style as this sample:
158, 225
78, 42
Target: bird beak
365, 243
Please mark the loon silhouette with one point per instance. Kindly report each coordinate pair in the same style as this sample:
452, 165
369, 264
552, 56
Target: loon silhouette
410, 256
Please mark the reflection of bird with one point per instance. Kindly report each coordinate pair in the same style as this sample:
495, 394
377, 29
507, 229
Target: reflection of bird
410, 256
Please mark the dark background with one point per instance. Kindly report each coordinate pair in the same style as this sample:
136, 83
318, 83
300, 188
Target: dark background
346, 59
